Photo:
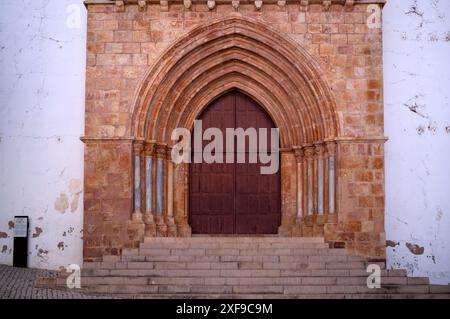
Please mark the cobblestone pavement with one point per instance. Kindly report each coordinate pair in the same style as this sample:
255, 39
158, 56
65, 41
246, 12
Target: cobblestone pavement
19, 283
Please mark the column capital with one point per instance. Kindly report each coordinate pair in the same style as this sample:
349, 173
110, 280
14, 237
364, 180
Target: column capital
319, 150
138, 147
299, 153
160, 150
309, 151
330, 147
149, 148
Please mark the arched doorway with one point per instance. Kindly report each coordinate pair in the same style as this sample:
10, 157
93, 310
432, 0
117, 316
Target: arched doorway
234, 198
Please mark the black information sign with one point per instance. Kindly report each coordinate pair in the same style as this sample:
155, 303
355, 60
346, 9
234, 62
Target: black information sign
20, 257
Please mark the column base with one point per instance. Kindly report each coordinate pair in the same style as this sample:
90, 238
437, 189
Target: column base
171, 227
150, 226
136, 216
297, 228
285, 230
161, 227
184, 230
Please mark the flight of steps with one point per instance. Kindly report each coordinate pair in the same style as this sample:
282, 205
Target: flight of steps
245, 267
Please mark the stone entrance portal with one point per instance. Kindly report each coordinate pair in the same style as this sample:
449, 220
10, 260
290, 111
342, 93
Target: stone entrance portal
315, 67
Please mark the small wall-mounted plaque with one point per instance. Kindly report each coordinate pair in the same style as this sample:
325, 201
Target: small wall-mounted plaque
20, 255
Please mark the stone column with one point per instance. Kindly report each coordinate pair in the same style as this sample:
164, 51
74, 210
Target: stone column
181, 198
299, 156
319, 150
137, 150
331, 154
136, 227
309, 157
160, 155
169, 219
288, 192
149, 219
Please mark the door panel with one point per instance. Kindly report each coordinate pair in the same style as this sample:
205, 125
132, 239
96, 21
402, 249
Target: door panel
234, 198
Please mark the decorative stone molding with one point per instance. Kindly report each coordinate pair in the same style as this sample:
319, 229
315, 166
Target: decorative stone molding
258, 4
326, 5
304, 5
164, 5
120, 5
187, 4
142, 4
349, 5
235, 4
281, 3
211, 4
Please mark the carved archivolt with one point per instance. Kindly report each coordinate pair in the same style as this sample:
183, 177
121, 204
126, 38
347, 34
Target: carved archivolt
238, 54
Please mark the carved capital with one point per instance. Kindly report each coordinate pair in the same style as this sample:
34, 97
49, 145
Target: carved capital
160, 150
149, 148
308, 151
330, 147
138, 147
281, 3
299, 153
319, 150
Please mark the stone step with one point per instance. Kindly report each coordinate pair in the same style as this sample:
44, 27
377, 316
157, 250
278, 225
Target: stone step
226, 245
143, 279
283, 296
247, 265
239, 252
231, 266
299, 256
233, 239
118, 288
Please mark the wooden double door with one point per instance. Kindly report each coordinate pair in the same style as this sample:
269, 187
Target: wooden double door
234, 198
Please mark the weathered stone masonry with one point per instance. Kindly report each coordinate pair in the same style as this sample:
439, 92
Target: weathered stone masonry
315, 66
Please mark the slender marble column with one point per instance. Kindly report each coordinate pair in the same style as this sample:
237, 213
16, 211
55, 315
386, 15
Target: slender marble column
331, 152
320, 178
299, 154
150, 227
309, 155
159, 187
160, 152
137, 149
170, 221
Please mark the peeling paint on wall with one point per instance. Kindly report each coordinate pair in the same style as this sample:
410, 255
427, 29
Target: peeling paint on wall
61, 245
37, 232
40, 149
417, 111
62, 203
391, 243
415, 249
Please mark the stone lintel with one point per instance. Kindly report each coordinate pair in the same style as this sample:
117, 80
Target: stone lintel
327, 3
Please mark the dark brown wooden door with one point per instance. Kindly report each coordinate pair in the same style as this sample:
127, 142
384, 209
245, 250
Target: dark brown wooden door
234, 198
